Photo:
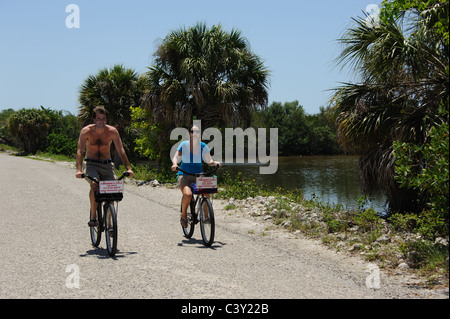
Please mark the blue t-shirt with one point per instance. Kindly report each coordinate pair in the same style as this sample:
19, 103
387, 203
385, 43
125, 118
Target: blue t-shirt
191, 163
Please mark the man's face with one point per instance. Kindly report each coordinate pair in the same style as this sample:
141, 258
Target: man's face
100, 120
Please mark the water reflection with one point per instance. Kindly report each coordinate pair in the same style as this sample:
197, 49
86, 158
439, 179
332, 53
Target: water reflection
332, 179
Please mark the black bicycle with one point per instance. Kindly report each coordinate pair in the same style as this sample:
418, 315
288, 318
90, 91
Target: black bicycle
200, 208
106, 215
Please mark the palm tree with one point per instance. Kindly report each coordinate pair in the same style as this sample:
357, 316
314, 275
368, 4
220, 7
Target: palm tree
117, 89
402, 68
207, 73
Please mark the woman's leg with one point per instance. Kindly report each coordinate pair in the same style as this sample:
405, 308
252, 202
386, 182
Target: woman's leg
186, 200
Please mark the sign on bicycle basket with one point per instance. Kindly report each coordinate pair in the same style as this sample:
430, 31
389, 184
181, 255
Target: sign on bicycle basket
207, 182
107, 187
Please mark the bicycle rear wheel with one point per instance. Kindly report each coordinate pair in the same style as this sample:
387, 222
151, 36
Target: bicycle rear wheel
96, 231
189, 230
207, 225
111, 229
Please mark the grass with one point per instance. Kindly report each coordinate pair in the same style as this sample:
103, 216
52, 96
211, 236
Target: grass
50, 157
39, 156
149, 173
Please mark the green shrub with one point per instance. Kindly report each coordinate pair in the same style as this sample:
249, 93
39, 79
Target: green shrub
60, 143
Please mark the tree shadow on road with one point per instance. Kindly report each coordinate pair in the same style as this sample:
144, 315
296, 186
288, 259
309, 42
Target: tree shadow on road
102, 253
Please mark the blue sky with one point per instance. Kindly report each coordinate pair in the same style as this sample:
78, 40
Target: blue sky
42, 62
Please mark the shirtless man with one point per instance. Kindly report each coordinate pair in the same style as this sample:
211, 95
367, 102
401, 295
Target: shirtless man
96, 140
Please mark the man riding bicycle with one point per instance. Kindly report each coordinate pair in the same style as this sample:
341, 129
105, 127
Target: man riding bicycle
96, 140
193, 153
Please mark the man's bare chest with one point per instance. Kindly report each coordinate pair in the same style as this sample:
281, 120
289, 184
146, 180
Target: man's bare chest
99, 140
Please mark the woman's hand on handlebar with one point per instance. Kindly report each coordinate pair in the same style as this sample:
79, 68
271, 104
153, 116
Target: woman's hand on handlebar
216, 164
174, 167
79, 174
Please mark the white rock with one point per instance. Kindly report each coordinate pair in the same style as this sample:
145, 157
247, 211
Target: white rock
403, 266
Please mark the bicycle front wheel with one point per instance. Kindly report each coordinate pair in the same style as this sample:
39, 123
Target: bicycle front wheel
96, 231
111, 229
207, 225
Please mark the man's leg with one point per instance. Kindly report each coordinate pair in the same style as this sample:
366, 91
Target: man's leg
93, 203
92, 170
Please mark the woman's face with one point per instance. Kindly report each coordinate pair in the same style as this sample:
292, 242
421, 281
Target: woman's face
195, 133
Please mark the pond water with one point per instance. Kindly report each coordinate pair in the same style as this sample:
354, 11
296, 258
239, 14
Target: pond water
330, 179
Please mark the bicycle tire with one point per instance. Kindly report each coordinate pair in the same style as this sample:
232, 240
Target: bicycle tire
111, 229
207, 224
189, 231
96, 231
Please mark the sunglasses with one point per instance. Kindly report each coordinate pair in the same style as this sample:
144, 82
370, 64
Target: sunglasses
195, 132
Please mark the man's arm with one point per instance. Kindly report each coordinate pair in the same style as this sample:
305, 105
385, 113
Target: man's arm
80, 151
121, 151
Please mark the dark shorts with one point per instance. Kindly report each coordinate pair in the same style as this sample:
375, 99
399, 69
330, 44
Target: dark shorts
103, 172
186, 180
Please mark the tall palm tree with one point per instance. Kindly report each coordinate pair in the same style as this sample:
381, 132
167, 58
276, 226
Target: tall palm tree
207, 73
117, 89
402, 68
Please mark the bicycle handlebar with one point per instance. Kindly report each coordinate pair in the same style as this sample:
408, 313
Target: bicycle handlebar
216, 167
124, 174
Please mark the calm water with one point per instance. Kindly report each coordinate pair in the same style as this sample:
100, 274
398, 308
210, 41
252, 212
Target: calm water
332, 179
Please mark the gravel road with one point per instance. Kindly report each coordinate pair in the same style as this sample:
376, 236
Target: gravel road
46, 250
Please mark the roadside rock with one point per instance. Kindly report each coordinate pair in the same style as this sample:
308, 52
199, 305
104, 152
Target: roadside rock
403, 266
383, 239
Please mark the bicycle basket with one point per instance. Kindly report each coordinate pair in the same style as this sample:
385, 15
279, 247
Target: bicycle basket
205, 185
196, 190
108, 197
109, 191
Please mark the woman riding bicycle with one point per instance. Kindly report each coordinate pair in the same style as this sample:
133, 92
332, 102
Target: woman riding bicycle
193, 152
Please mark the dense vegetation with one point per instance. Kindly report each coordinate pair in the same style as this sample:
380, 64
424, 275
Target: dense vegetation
299, 133
57, 131
32, 130
396, 116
